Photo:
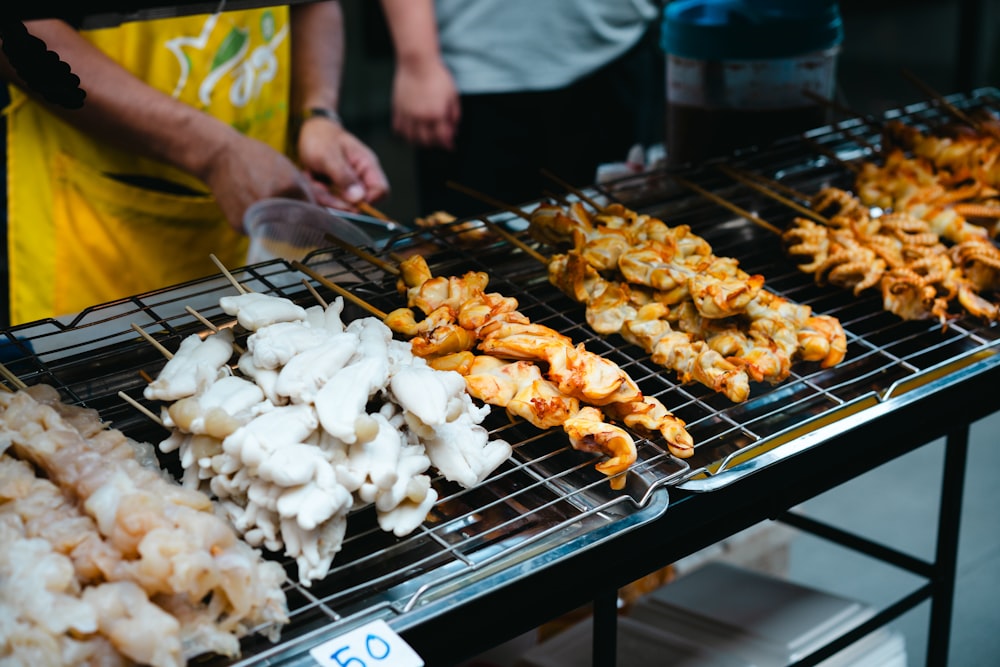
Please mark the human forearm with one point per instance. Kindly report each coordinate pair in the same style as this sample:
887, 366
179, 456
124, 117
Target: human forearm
348, 169
413, 28
125, 112
317, 55
425, 102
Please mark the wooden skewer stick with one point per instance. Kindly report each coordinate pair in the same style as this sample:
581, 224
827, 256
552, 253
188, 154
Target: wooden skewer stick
753, 181
326, 282
152, 341
569, 188
316, 295
775, 185
948, 106
513, 240
210, 325
363, 206
240, 288
486, 199
557, 198
820, 148
201, 318
837, 106
368, 209
711, 196
140, 407
368, 257
13, 379
874, 124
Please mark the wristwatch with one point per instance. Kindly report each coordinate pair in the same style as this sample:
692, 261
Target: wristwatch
321, 112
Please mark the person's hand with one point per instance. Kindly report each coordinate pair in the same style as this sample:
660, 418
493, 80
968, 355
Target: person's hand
425, 105
344, 171
244, 170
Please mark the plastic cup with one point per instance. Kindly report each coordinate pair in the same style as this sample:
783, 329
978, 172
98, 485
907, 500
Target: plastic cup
291, 228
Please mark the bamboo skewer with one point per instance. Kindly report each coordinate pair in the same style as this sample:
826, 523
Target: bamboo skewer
316, 295
725, 203
152, 341
832, 104
486, 199
13, 379
368, 209
210, 325
326, 282
240, 288
754, 181
141, 408
580, 194
513, 240
368, 257
820, 148
948, 106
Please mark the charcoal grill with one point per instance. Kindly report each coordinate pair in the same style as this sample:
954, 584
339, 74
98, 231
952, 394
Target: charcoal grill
546, 533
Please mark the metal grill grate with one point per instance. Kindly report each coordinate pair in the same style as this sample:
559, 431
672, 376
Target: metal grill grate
547, 500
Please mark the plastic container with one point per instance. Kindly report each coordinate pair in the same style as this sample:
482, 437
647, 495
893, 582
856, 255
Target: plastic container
738, 71
290, 229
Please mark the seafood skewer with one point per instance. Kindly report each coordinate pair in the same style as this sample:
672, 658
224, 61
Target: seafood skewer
709, 297
461, 316
903, 256
318, 418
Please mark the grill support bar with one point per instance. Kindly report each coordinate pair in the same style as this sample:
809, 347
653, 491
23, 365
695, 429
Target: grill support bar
940, 574
946, 558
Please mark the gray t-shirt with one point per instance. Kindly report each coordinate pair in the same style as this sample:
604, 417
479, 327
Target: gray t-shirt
499, 46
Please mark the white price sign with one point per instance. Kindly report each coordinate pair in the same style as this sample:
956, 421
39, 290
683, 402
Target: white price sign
372, 645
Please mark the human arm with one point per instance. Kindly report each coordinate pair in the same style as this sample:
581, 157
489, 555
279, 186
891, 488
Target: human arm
425, 104
326, 150
125, 112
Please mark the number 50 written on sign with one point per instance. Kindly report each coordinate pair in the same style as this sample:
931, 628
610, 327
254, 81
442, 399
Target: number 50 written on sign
374, 644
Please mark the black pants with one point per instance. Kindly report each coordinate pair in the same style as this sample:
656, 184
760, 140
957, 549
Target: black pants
505, 140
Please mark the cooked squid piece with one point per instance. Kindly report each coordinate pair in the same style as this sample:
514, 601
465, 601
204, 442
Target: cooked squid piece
197, 363
530, 369
922, 270
663, 289
319, 419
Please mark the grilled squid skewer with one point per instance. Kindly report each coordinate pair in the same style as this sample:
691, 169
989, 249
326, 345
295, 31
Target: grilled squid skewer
903, 256
573, 375
720, 326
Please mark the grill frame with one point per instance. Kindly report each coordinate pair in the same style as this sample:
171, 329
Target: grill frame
760, 455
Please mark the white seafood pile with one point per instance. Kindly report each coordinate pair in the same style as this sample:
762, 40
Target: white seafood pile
318, 418
105, 561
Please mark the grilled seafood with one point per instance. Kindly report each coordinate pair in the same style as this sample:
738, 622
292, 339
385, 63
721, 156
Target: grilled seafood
707, 307
645, 251
903, 256
161, 539
321, 417
960, 151
530, 369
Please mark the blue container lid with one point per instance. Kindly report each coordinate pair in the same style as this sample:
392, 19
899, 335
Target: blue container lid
750, 29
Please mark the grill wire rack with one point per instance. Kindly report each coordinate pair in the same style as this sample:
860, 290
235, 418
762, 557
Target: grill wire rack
547, 501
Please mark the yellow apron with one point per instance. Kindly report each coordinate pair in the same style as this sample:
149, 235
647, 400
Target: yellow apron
88, 223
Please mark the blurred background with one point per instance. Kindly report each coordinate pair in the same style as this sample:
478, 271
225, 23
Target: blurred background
952, 46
